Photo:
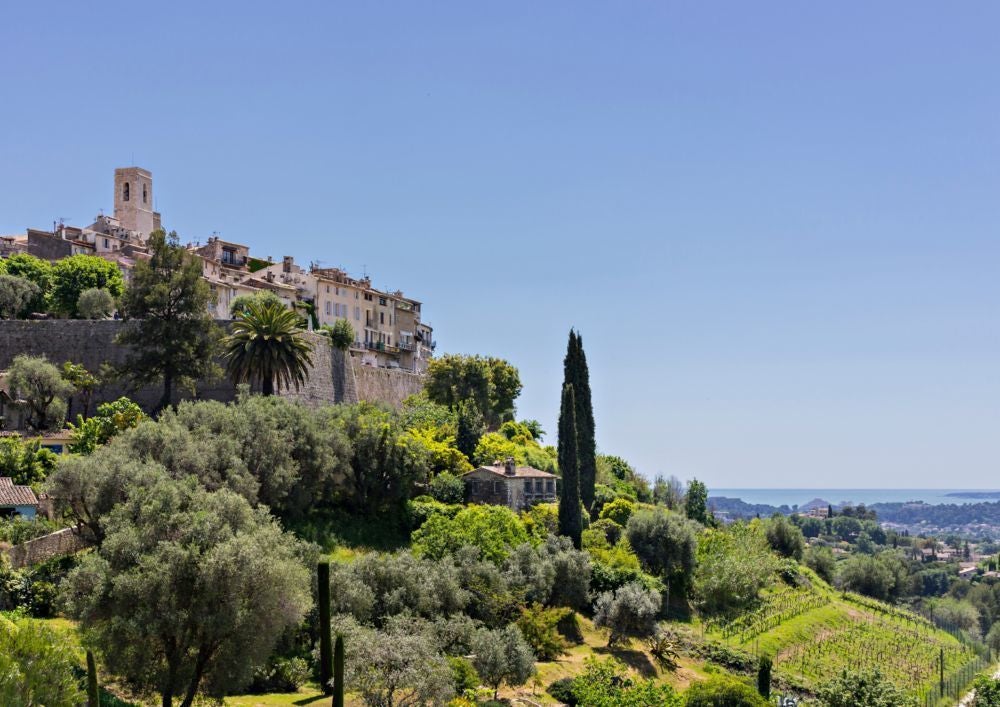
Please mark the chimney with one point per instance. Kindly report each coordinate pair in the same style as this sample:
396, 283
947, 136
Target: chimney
510, 468
286, 263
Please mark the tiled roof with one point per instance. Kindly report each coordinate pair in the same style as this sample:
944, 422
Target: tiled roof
521, 472
11, 495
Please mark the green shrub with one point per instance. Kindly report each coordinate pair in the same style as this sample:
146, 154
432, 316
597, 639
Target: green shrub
447, 488
280, 675
464, 673
421, 508
619, 511
562, 690
723, 691
539, 626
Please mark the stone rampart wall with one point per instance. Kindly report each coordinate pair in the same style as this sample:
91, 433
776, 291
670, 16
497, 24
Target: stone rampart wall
335, 377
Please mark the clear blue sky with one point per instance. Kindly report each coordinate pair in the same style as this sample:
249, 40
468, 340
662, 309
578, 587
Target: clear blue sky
776, 225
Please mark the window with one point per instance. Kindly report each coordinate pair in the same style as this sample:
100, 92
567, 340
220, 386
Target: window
356, 294
107, 243
327, 289
381, 301
328, 308
381, 317
144, 193
497, 487
125, 193
357, 312
550, 486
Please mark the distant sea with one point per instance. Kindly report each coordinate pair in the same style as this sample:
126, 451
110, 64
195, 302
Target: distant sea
791, 497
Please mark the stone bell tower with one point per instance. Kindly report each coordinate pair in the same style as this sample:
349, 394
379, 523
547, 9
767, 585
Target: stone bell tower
134, 201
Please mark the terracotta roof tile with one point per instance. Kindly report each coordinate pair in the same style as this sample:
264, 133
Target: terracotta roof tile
521, 472
11, 495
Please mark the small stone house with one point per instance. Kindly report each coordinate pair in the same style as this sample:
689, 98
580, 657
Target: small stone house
17, 500
506, 484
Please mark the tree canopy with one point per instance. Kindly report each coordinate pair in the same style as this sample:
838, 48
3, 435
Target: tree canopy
169, 331
189, 590
491, 384
74, 275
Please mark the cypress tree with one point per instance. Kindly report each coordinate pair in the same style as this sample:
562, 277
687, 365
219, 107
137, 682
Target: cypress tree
338, 672
471, 428
325, 647
570, 515
576, 373
764, 677
93, 694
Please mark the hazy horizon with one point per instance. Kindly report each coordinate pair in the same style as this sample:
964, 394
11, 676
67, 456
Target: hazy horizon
775, 225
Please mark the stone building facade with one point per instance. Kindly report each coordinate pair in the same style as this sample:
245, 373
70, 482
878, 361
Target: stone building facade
506, 484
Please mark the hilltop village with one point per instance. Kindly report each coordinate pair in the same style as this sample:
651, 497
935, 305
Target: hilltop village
389, 331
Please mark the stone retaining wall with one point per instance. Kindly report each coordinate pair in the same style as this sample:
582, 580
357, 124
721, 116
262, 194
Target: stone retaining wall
334, 377
61, 542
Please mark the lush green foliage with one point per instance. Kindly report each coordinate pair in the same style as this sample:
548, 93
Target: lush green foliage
577, 375
16, 296
34, 270
110, 420
266, 345
24, 460
397, 667
784, 537
170, 334
189, 590
629, 612
570, 516
502, 656
341, 334
723, 691
987, 692
447, 488
665, 544
36, 666
820, 560
42, 387
95, 303
493, 530
733, 565
539, 626
869, 688
238, 305
696, 502
74, 275
491, 384
608, 683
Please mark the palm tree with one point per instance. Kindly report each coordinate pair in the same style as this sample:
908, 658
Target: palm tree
266, 344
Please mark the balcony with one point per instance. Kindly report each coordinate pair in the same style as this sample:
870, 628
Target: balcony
404, 346
380, 346
233, 260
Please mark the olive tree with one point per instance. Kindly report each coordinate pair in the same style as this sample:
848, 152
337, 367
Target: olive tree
503, 656
40, 384
628, 612
16, 296
397, 669
95, 303
189, 591
665, 544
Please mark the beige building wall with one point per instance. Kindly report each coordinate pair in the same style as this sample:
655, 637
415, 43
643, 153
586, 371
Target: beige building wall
134, 200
